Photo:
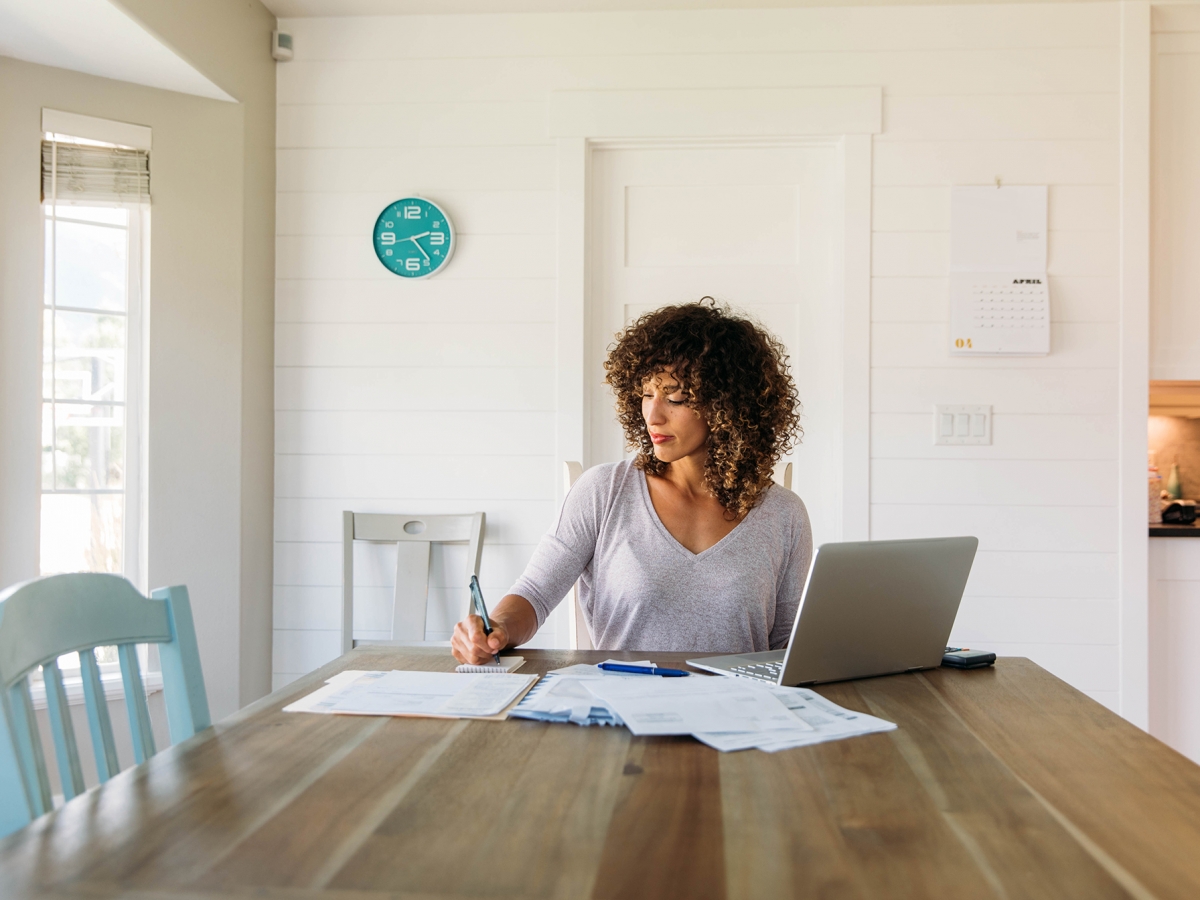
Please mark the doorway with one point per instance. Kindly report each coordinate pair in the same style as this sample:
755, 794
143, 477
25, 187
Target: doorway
757, 226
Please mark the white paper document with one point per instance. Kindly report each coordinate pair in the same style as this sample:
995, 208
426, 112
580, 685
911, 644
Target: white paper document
819, 720
403, 693
649, 704
587, 670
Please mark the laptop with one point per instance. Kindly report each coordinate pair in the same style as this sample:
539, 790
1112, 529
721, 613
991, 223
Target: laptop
868, 608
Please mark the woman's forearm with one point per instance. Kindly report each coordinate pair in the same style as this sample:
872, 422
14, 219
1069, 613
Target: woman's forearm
516, 614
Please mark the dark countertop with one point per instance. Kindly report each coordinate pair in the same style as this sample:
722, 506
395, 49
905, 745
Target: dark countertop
1175, 531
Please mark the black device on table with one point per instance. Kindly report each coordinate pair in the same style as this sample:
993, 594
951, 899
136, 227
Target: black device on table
966, 658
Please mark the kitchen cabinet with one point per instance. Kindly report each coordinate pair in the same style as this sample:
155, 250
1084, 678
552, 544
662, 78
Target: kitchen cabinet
1175, 197
1174, 639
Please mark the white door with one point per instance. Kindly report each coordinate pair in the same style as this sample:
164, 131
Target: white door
758, 227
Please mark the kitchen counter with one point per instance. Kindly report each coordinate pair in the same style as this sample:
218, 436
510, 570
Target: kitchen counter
1175, 531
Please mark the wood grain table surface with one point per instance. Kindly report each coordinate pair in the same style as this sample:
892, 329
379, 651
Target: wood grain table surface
1003, 783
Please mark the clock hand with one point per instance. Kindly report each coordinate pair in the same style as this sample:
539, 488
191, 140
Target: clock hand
415, 236
418, 246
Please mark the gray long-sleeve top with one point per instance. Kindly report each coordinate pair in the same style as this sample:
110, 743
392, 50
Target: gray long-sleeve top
640, 589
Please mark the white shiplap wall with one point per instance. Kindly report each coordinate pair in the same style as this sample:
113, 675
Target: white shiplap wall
438, 396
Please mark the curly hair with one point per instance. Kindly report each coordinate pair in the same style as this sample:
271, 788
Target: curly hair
734, 374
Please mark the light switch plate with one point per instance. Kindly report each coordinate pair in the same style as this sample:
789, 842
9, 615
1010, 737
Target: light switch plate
958, 425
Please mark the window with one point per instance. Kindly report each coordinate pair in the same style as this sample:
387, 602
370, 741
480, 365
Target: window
96, 219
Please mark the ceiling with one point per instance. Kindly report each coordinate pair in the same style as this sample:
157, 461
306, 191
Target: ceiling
302, 8
96, 37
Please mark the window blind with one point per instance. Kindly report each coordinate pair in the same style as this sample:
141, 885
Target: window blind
87, 172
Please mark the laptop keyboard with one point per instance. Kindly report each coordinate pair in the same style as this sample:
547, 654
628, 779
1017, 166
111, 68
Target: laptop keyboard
764, 671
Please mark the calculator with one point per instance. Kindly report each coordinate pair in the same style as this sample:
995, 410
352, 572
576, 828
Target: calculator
999, 314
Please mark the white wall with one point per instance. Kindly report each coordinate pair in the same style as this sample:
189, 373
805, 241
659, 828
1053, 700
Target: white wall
210, 362
230, 41
438, 396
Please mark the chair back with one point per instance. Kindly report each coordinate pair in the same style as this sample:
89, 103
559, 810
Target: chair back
414, 537
579, 634
782, 475
43, 619
578, 630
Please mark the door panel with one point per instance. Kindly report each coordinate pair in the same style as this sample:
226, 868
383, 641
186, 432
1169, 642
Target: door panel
756, 227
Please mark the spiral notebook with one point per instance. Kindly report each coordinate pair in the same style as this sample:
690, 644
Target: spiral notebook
506, 664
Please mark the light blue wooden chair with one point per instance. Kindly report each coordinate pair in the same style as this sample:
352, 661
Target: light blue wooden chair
43, 619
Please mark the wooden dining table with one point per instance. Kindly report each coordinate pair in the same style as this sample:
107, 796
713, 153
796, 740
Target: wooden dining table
1002, 782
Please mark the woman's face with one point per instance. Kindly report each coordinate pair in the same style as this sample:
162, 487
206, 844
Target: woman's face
676, 429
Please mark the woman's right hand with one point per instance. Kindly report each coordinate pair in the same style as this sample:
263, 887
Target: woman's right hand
471, 646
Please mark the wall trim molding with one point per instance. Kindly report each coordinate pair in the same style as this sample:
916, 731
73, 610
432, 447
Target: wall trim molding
1134, 362
92, 128
623, 117
716, 113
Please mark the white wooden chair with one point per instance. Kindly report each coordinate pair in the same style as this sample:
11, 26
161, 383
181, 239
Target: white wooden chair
579, 632
579, 635
783, 475
413, 537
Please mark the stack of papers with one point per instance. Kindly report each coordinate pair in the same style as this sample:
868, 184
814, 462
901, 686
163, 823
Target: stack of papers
562, 697
559, 699
402, 693
725, 713
825, 721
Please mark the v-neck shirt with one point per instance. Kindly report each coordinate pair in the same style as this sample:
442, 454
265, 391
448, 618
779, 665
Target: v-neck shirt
640, 589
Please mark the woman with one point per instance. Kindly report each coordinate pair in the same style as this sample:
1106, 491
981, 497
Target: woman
689, 546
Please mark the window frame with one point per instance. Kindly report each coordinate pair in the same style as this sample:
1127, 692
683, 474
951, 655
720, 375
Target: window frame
134, 543
133, 549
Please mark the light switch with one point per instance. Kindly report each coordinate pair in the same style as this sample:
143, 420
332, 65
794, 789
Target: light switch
958, 425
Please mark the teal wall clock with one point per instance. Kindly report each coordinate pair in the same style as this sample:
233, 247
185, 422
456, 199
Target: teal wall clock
414, 238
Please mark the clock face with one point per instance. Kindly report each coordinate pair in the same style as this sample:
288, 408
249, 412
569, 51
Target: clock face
414, 238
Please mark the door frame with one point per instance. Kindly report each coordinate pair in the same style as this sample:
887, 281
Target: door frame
582, 121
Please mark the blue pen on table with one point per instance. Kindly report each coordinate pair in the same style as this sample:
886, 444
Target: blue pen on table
642, 670
480, 609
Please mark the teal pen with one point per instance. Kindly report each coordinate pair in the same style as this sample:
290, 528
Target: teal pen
481, 610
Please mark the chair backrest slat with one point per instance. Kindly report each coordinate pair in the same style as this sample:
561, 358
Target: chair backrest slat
15, 799
104, 748
135, 703
183, 686
410, 591
347, 581
475, 545
66, 750
28, 747
579, 635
